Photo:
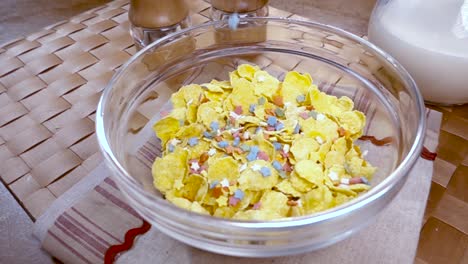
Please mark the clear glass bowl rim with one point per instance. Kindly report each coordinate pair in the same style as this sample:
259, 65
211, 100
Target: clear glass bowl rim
374, 193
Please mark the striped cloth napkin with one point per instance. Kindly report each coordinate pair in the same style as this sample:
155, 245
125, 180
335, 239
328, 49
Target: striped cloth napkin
92, 223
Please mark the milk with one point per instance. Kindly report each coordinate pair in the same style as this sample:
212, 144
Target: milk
430, 39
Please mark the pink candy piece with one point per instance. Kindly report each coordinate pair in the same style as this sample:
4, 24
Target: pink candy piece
164, 113
263, 156
287, 167
233, 201
284, 154
238, 110
270, 128
355, 180
257, 206
304, 115
203, 168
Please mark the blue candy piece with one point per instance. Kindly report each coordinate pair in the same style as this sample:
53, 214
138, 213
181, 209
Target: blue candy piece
365, 181
282, 174
254, 149
213, 184
300, 98
313, 114
251, 156
223, 144
245, 147
277, 145
279, 126
277, 165
261, 101
252, 108
233, 21
214, 125
239, 194
279, 112
296, 129
236, 141
265, 171
207, 134
271, 121
193, 141
171, 148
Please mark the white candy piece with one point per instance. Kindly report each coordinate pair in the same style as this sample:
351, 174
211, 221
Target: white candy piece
224, 183
195, 166
212, 151
243, 167
319, 140
174, 141
256, 167
321, 117
333, 176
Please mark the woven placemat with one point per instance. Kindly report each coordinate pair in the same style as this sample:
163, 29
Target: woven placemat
50, 83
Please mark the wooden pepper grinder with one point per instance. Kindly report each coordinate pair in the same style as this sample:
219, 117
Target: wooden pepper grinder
245, 8
154, 19
237, 31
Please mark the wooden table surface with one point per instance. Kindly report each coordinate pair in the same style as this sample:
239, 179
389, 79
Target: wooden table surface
444, 236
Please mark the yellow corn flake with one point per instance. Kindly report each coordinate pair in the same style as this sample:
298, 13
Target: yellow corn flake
222, 201
197, 150
334, 158
242, 95
287, 188
265, 84
223, 84
302, 147
343, 189
224, 212
353, 121
166, 129
255, 215
255, 148
310, 171
265, 145
192, 130
247, 71
300, 184
207, 113
215, 97
318, 199
168, 169
294, 85
179, 113
195, 188
189, 94
192, 113
198, 208
222, 168
276, 202
252, 178
326, 129
212, 87
322, 102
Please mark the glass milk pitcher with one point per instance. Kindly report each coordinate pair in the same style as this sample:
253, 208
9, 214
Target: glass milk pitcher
430, 39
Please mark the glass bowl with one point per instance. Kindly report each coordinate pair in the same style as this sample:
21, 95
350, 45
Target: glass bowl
340, 63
